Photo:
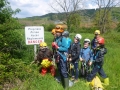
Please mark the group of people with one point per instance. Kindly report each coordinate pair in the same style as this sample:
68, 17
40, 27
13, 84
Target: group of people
65, 52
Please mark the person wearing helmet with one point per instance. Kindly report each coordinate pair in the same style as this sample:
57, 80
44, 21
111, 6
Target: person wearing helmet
54, 34
44, 57
74, 52
61, 47
86, 56
93, 43
98, 61
69, 41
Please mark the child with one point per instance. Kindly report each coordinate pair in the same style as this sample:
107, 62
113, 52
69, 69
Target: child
98, 62
74, 52
86, 57
44, 57
93, 43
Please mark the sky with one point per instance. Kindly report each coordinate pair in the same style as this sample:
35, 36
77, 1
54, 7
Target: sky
31, 8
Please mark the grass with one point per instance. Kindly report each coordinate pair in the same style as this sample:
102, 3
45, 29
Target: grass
111, 67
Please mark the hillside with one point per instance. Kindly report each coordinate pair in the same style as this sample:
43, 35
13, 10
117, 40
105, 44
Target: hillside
86, 18
86, 13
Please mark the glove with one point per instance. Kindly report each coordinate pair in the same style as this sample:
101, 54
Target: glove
55, 45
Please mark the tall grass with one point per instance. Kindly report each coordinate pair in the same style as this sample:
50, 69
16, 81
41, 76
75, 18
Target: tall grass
111, 67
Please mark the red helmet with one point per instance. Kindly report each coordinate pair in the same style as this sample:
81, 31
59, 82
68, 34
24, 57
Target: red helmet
101, 40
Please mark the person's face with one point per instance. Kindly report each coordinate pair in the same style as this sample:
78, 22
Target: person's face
97, 35
86, 45
75, 40
54, 35
58, 34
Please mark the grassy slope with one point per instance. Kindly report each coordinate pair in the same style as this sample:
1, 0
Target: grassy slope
111, 67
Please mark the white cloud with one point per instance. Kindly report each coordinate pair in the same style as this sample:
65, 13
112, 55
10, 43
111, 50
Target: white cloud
91, 6
30, 7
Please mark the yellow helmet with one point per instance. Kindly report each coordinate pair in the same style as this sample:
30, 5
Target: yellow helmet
59, 28
53, 31
43, 44
97, 32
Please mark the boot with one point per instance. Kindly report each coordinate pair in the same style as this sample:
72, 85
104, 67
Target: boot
66, 83
106, 81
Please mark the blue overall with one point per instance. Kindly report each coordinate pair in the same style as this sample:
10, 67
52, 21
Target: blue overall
86, 54
63, 47
98, 63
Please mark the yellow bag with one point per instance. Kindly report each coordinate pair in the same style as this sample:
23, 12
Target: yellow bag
46, 63
96, 84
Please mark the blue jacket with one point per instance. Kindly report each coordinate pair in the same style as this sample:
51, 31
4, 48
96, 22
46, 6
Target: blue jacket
62, 43
69, 41
63, 47
86, 54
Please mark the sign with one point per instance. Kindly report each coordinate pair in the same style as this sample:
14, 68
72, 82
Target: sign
34, 35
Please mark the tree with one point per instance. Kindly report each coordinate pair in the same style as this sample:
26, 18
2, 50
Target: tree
70, 8
9, 38
103, 13
74, 22
104, 24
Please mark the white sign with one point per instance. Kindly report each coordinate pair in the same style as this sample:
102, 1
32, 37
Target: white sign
34, 35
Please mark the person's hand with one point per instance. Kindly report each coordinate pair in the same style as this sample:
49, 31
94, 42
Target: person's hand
70, 59
55, 45
81, 59
67, 59
90, 63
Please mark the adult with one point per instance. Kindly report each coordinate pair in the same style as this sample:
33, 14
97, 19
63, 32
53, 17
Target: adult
61, 47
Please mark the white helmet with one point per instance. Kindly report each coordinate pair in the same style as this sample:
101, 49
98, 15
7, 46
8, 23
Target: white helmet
78, 36
87, 40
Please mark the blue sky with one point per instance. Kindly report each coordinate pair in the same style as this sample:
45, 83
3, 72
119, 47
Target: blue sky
38, 7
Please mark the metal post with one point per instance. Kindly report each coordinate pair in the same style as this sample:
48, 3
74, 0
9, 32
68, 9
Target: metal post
35, 50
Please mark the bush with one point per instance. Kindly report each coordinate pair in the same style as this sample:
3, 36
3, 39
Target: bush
49, 27
118, 27
84, 30
12, 69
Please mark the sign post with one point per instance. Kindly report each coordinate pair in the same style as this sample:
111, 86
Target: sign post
34, 35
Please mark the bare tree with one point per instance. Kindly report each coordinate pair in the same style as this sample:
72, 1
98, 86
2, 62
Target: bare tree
68, 7
104, 9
